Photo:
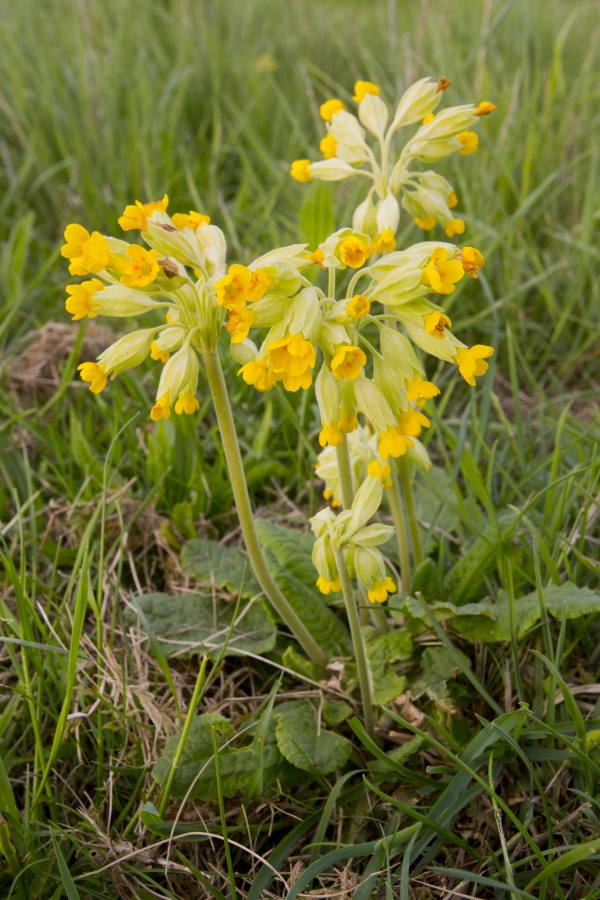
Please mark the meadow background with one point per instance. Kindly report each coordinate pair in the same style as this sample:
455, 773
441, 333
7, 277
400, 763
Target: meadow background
106, 101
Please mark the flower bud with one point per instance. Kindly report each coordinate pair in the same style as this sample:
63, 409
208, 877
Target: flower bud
180, 374
319, 522
244, 352
365, 217
388, 214
418, 101
127, 352
346, 129
419, 455
433, 151
323, 558
346, 248
328, 399
389, 385
448, 123
398, 352
373, 535
373, 403
401, 285
366, 503
369, 566
373, 114
120, 301
332, 170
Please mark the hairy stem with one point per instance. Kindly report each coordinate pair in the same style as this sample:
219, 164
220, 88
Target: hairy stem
400, 526
360, 655
404, 468
218, 389
347, 485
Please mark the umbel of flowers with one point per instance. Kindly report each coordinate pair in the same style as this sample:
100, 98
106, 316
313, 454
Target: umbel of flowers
426, 196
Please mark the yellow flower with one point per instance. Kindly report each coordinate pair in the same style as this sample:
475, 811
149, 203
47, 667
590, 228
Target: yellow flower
231, 289
300, 170
330, 108
376, 470
193, 220
348, 421
354, 252
385, 242
348, 362
471, 362
258, 374
393, 443
259, 283
293, 383
292, 356
161, 409
442, 273
426, 223
187, 403
428, 118
326, 586
331, 434
471, 260
141, 267
456, 226
380, 590
328, 147
412, 422
452, 200
136, 216
239, 324
469, 141
358, 307
443, 84
484, 108
94, 373
156, 353
362, 88
81, 302
317, 257
88, 253
435, 323
420, 390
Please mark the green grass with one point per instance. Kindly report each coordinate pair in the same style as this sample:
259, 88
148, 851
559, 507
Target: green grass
104, 101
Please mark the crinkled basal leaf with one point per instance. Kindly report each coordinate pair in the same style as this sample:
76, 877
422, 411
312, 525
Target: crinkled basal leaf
336, 711
466, 579
195, 623
399, 754
443, 610
237, 766
300, 664
302, 745
425, 580
291, 548
438, 668
210, 563
575, 601
436, 503
382, 650
320, 619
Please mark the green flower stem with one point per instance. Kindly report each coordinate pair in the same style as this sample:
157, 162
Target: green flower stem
218, 389
404, 468
347, 486
364, 678
400, 526
331, 286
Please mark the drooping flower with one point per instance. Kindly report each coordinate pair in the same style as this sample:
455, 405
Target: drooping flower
472, 260
140, 267
329, 109
469, 142
192, 220
471, 362
348, 362
81, 300
362, 88
300, 170
95, 373
442, 273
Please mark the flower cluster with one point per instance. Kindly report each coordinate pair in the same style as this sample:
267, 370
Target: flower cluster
426, 196
362, 447
349, 533
300, 323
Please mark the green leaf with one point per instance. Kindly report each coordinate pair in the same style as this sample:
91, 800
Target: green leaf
399, 754
436, 503
382, 650
336, 711
316, 216
298, 663
320, 619
291, 548
438, 668
187, 624
301, 744
212, 563
67, 880
237, 766
575, 601
425, 580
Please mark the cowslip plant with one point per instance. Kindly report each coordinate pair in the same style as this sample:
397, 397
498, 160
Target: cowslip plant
426, 196
181, 271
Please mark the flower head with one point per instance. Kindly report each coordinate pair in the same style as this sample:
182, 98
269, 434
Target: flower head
94, 373
354, 252
328, 146
456, 226
140, 267
329, 109
442, 273
317, 256
348, 362
358, 307
300, 170
472, 260
362, 88
81, 300
291, 359
239, 324
471, 362
426, 223
88, 253
161, 409
484, 108
258, 374
435, 324
192, 220
469, 142
419, 390
384, 242
326, 586
231, 289
135, 217
380, 590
